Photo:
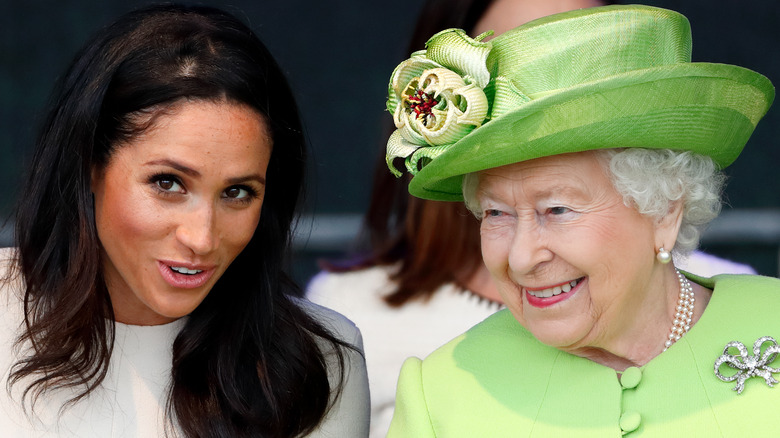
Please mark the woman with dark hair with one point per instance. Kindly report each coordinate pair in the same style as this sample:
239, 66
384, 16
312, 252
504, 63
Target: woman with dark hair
146, 295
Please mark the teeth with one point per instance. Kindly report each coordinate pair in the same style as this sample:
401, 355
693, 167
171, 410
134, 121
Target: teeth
553, 291
182, 270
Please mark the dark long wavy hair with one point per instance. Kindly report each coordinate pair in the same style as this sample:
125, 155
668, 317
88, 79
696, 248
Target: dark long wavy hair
247, 362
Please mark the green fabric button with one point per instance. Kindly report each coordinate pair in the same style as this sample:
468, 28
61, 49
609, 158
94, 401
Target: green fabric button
631, 377
629, 421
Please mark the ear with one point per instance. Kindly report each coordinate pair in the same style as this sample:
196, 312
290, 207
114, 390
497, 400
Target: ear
667, 228
95, 177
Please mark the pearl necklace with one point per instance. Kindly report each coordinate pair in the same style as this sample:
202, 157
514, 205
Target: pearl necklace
684, 315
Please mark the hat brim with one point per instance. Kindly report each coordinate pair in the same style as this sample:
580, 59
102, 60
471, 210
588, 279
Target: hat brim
710, 109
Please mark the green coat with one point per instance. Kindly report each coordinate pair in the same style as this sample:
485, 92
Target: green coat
497, 380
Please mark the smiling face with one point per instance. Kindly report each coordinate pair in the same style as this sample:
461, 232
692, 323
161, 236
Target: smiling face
176, 205
572, 262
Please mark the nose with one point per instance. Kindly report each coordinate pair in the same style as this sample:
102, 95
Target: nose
528, 250
197, 230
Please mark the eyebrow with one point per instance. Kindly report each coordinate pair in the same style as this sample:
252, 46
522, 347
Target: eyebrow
178, 166
242, 179
547, 193
195, 174
552, 192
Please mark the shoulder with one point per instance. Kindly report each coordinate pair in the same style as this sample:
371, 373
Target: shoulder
741, 286
746, 301
493, 332
8, 258
736, 280
349, 414
335, 285
741, 307
338, 324
488, 365
355, 293
741, 310
11, 285
485, 349
482, 353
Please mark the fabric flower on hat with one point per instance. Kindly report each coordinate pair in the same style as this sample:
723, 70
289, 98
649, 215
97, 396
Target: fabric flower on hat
437, 97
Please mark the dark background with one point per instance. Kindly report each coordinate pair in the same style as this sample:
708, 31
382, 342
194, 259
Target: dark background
338, 56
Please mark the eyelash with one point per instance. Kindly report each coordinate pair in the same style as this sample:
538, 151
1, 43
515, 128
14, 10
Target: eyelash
561, 210
251, 194
554, 211
156, 179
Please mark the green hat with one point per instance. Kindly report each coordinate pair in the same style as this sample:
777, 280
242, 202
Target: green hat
598, 78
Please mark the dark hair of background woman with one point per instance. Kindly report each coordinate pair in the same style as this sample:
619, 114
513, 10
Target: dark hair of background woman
432, 243
246, 362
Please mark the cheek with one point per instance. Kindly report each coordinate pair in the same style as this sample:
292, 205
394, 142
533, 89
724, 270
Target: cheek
599, 238
495, 249
586, 244
126, 215
625, 236
610, 251
238, 228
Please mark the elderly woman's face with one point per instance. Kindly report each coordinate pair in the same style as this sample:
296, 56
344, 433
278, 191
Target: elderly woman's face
176, 205
571, 261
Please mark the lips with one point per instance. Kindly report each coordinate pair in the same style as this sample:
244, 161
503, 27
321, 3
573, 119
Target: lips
184, 276
547, 296
184, 270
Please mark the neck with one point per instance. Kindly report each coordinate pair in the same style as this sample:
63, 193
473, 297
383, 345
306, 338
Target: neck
642, 337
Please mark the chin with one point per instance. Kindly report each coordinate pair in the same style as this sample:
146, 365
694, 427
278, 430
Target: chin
550, 333
177, 307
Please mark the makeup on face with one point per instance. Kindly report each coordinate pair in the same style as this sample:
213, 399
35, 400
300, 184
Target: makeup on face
177, 204
568, 257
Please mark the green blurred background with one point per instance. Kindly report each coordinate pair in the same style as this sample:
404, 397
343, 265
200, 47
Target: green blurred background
338, 56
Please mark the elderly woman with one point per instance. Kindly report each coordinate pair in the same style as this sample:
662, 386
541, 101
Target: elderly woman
589, 146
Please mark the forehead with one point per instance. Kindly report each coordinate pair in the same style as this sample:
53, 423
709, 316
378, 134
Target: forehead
211, 138
203, 122
184, 114
579, 173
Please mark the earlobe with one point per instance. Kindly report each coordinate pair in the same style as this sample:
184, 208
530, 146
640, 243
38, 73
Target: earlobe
663, 256
668, 226
94, 178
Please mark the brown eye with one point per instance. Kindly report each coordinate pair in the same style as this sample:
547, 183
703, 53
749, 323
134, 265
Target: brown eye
166, 184
233, 192
239, 193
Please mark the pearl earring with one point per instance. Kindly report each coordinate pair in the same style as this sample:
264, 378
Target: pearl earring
663, 256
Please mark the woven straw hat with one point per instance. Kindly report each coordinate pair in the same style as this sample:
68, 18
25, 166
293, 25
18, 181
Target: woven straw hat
607, 77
